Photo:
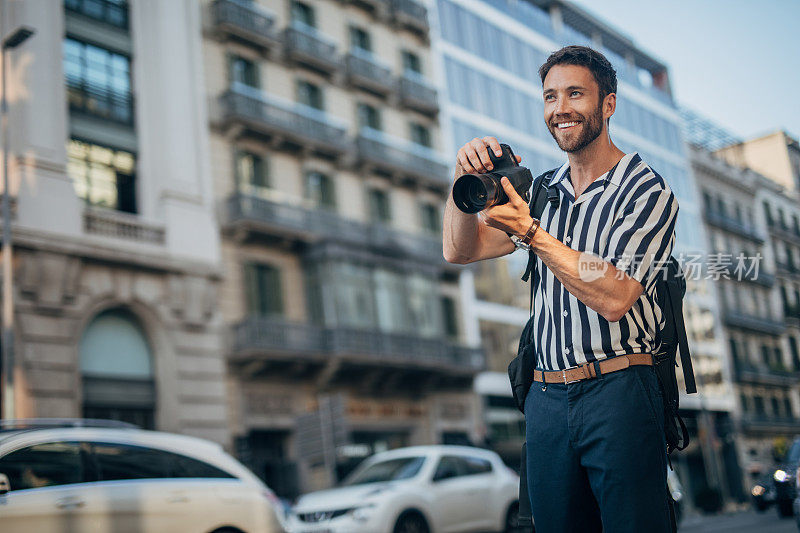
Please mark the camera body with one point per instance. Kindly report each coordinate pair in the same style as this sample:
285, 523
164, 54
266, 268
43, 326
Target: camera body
476, 192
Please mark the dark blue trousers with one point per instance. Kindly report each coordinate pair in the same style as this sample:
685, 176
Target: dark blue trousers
596, 457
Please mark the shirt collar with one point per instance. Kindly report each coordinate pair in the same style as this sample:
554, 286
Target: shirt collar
615, 176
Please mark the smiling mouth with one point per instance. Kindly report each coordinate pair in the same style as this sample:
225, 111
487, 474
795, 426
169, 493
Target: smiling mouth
566, 125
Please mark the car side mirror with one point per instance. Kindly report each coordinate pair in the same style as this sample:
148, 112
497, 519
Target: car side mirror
5, 485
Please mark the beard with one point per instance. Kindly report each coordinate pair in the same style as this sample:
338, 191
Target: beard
591, 128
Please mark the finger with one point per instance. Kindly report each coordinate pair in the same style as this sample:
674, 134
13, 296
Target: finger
494, 145
513, 196
480, 148
466, 168
474, 156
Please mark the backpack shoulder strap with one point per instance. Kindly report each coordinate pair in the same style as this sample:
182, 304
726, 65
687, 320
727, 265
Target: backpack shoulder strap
537, 203
683, 343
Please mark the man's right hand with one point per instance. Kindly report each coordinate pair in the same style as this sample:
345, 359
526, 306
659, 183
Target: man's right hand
473, 157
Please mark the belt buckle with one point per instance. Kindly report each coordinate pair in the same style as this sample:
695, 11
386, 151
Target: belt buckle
564, 376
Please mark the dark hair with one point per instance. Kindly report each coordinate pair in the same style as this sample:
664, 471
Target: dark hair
604, 74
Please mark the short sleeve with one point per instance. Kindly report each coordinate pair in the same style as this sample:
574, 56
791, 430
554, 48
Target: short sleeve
641, 240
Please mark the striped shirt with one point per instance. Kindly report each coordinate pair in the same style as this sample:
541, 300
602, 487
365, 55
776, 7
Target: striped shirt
626, 217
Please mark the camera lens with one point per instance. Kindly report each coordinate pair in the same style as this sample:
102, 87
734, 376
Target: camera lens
476, 193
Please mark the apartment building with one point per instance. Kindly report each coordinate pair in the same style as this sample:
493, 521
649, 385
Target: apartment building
116, 248
343, 318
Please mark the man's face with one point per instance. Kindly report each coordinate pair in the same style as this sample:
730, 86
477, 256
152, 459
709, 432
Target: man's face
572, 108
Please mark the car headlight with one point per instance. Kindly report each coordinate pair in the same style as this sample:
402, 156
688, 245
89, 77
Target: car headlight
780, 476
758, 490
363, 513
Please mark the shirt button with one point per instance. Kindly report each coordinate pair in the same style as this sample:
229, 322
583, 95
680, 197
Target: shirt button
566, 350
568, 238
565, 312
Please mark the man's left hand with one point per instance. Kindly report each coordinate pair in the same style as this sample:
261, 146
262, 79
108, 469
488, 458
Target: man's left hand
512, 217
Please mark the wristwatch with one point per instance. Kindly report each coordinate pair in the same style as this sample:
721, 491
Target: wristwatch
524, 242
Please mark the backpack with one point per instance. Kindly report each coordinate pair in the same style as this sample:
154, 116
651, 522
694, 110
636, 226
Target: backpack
669, 290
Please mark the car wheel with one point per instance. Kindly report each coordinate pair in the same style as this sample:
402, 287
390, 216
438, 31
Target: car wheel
411, 522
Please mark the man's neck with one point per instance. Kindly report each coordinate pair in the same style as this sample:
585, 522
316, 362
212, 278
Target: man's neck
593, 161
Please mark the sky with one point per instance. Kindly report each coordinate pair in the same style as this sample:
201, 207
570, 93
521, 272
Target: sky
736, 62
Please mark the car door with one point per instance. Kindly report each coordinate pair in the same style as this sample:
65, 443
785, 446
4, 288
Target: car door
479, 483
48, 491
453, 496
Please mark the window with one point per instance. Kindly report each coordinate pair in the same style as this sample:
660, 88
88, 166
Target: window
319, 189
263, 286
431, 219
795, 353
102, 175
243, 71
98, 81
43, 465
420, 135
310, 95
787, 408
776, 409
379, 207
477, 465
360, 40
251, 170
450, 317
449, 467
304, 14
759, 405
124, 461
113, 12
768, 213
411, 62
368, 117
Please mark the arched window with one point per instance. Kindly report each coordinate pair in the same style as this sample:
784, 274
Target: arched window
117, 369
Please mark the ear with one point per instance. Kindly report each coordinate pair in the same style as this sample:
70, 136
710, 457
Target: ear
609, 106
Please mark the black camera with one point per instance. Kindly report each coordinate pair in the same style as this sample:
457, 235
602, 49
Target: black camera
476, 192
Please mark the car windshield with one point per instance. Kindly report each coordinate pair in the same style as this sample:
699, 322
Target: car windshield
794, 453
391, 470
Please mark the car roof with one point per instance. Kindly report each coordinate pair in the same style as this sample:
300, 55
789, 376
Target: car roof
434, 450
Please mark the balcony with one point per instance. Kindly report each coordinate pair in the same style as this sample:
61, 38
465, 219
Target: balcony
106, 11
308, 46
412, 15
119, 225
276, 339
763, 375
100, 102
418, 94
745, 273
753, 323
768, 424
245, 21
401, 158
260, 114
379, 8
254, 216
783, 231
367, 72
732, 225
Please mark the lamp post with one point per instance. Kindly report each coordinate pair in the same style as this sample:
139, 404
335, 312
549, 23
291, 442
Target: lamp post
17, 37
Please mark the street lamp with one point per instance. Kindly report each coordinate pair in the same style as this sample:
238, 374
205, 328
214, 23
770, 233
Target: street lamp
16, 38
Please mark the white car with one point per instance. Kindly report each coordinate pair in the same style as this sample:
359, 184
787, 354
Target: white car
116, 480
420, 489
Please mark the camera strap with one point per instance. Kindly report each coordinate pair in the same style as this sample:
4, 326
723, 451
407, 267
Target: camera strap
537, 205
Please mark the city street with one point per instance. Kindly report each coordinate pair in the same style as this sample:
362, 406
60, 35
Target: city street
746, 522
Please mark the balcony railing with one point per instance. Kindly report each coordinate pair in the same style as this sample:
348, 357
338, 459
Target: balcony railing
747, 372
113, 13
412, 14
100, 102
245, 20
267, 336
310, 47
309, 225
756, 422
417, 93
783, 231
749, 322
398, 156
117, 224
734, 226
294, 122
368, 73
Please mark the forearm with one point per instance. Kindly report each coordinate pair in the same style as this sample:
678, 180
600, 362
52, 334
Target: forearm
602, 287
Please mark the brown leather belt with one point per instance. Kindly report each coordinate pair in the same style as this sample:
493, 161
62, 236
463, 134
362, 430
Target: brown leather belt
587, 370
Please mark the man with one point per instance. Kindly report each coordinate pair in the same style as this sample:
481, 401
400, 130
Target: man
594, 421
